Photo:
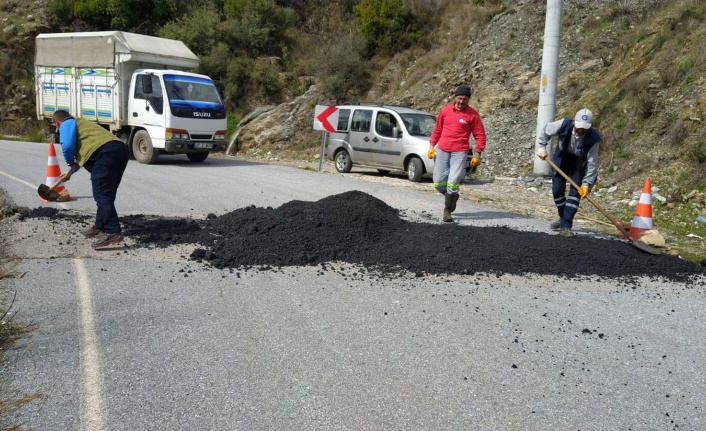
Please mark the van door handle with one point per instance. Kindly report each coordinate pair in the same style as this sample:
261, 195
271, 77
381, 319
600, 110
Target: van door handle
366, 139
375, 139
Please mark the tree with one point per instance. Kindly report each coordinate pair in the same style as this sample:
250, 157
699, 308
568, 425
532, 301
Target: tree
259, 27
141, 16
387, 26
199, 30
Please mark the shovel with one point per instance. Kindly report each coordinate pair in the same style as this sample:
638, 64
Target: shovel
641, 245
48, 193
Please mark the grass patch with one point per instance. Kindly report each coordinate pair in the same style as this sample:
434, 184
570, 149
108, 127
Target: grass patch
37, 134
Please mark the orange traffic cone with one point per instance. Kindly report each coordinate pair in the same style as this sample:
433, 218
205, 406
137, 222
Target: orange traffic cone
53, 175
643, 214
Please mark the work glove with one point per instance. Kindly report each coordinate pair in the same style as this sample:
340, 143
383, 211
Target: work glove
583, 191
66, 176
475, 161
542, 153
431, 154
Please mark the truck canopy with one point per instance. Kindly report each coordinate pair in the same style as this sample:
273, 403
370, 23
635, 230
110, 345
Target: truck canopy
103, 49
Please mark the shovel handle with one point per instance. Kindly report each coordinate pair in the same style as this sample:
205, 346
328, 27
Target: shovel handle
56, 184
598, 207
62, 178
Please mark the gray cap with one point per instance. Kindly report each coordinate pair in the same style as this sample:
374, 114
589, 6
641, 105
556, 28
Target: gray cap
583, 119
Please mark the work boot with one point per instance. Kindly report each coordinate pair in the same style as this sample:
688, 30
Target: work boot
454, 199
555, 225
448, 200
91, 232
105, 239
566, 233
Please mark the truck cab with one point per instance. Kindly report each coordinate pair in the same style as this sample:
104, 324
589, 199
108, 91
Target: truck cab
174, 112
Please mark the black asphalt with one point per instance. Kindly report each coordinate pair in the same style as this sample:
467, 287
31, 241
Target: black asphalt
357, 228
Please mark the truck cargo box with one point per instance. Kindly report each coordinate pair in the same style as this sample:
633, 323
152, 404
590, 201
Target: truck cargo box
89, 73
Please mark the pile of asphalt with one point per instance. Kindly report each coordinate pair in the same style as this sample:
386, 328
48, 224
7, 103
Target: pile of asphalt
357, 228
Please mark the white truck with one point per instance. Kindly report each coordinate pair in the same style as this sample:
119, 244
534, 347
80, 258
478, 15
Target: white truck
134, 85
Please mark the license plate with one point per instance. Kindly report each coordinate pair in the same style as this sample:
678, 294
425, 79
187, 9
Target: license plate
202, 145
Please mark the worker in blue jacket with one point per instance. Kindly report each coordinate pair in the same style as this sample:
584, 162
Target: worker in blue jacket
577, 155
86, 144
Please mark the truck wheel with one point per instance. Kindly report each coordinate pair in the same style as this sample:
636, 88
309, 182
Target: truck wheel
197, 157
415, 170
343, 162
142, 148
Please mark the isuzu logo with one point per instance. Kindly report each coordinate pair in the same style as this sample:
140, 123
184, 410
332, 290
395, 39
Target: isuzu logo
202, 114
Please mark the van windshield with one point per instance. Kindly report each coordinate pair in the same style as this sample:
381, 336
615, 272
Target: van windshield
419, 124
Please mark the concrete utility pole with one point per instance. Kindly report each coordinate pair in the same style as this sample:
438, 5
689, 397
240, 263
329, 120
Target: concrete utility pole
546, 110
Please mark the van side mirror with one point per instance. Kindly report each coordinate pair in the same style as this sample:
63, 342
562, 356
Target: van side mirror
146, 84
396, 132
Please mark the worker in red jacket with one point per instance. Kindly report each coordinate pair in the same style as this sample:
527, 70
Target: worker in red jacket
449, 145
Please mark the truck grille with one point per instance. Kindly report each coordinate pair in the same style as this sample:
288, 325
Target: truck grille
209, 137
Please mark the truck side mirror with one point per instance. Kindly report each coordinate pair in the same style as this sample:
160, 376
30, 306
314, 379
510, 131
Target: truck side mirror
146, 84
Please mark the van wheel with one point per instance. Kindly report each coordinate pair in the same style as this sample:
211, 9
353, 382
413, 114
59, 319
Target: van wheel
415, 169
142, 148
197, 157
343, 162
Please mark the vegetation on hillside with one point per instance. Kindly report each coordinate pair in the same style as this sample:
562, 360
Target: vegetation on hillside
656, 63
257, 49
649, 94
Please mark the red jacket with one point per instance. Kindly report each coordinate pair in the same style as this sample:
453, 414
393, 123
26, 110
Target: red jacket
453, 129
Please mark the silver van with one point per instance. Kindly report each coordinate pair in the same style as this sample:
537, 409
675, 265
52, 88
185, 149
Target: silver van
385, 137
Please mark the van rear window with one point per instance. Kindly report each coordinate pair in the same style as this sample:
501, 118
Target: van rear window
343, 116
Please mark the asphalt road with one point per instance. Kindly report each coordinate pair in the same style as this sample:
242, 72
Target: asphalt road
159, 342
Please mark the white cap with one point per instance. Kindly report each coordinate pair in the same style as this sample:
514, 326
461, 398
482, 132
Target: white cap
583, 119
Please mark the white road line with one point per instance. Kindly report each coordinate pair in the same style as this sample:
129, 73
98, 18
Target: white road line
19, 180
92, 409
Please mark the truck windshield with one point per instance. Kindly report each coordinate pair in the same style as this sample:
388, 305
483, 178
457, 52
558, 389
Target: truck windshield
191, 96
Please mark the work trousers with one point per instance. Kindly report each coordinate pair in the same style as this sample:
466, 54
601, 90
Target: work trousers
449, 170
107, 166
567, 207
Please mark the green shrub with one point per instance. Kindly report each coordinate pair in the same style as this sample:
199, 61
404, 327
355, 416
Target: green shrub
695, 151
340, 67
677, 133
199, 30
259, 27
266, 79
388, 26
37, 132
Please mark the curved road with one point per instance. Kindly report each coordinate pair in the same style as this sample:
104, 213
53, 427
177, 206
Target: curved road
164, 343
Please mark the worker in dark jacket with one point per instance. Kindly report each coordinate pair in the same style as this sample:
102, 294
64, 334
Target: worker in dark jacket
577, 155
88, 145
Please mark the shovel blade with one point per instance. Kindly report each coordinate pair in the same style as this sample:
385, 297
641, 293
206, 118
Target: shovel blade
46, 193
644, 247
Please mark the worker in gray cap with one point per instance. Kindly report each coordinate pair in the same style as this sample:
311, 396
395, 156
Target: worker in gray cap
449, 145
577, 155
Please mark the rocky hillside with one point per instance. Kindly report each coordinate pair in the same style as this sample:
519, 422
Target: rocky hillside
611, 60
20, 22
